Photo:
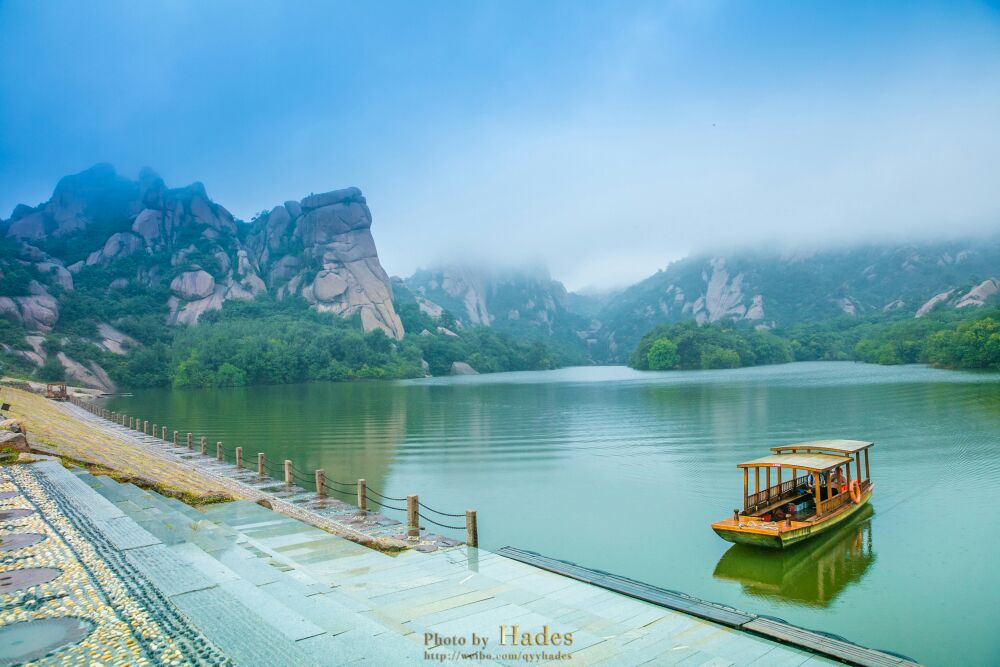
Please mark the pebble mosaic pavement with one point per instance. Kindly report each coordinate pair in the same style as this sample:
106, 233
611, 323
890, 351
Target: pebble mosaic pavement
130, 623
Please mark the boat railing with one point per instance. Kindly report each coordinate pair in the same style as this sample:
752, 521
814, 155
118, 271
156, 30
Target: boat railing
773, 493
838, 501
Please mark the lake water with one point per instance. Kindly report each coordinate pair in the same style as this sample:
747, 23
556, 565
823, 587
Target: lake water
624, 471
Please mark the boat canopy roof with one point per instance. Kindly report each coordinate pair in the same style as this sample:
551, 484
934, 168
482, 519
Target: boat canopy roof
847, 447
800, 460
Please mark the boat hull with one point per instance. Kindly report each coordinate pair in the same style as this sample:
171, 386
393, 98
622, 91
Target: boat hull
782, 537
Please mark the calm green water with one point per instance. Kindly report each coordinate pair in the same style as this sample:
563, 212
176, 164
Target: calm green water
624, 471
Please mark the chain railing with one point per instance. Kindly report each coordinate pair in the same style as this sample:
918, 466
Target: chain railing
290, 475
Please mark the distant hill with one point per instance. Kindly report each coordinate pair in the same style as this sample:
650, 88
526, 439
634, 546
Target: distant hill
768, 290
109, 265
527, 304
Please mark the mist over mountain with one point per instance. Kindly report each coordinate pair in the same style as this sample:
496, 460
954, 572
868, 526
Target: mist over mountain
166, 257
768, 289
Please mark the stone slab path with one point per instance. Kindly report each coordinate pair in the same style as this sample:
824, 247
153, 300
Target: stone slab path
238, 583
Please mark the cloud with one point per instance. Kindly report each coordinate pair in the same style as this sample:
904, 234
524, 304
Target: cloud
607, 142
612, 192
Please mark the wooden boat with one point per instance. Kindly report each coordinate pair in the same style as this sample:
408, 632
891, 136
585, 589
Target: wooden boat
812, 574
820, 494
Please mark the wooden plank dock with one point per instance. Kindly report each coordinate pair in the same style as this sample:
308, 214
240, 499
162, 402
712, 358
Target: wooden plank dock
820, 643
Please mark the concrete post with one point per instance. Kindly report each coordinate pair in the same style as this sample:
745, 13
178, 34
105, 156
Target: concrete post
321, 483
288, 472
130, 422
154, 429
412, 524
145, 427
260, 464
175, 438
362, 492
190, 442
239, 457
218, 451
163, 433
203, 444
471, 529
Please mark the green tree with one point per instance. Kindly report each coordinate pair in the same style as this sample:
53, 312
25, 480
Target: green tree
191, 373
52, 370
662, 355
230, 376
718, 357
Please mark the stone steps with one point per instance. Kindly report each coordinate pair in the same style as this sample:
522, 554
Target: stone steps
257, 608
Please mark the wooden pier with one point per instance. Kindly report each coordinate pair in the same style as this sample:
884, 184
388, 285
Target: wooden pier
772, 628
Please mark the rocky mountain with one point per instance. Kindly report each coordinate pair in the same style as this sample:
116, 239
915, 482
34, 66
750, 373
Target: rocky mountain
526, 303
117, 235
167, 256
764, 289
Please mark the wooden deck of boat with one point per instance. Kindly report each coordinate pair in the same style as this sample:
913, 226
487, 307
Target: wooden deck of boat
776, 629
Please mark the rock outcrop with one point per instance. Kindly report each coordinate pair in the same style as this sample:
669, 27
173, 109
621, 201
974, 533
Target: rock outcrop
462, 368
89, 375
15, 441
932, 302
979, 294
177, 242
480, 297
114, 341
772, 289
37, 311
320, 248
954, 298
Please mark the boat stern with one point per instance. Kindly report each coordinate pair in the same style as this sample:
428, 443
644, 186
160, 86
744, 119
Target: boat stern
749, 531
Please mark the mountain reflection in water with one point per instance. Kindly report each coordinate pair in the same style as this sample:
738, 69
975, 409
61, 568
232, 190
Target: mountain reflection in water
813, 573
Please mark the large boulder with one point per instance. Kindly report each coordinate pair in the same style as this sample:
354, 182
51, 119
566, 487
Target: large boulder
149, 225
59, 274
15, 441
37, 312
118, 245
462, 368
193, 285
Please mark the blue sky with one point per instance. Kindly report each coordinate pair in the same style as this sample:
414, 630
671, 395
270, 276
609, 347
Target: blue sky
605, 139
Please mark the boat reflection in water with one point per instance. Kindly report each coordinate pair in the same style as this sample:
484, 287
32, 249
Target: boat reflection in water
813, 573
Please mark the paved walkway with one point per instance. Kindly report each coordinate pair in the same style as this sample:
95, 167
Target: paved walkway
240, 581
460, 592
